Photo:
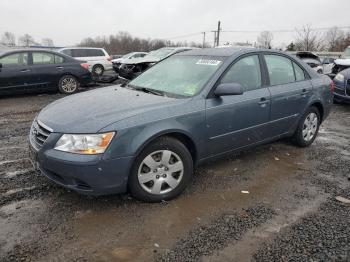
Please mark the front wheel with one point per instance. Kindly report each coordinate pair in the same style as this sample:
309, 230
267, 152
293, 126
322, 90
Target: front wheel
161, 171
308, 128
68, 85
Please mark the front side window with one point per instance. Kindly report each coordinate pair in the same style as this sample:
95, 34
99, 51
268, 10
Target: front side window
41, 58
280, 69
13, 60
182, 76
245, 72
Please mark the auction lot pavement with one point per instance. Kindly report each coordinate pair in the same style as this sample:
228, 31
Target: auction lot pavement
290, 212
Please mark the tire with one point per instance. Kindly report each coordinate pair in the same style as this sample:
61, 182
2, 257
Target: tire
308, 128
168, 161
68, 84
98, 70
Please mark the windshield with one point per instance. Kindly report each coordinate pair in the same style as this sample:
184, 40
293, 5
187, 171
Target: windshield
160, 53
126, 56
347, 52
182, 76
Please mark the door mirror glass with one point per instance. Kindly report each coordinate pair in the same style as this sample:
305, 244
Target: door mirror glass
228, 89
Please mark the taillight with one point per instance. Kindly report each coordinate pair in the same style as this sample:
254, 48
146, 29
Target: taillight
85, 66
109, 58
331, 86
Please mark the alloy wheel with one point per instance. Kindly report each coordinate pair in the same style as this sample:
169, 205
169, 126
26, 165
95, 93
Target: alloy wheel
69, 85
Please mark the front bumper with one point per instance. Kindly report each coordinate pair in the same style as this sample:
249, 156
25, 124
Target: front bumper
86, 174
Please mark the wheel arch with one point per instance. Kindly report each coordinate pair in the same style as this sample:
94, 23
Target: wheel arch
180, 135
319, 107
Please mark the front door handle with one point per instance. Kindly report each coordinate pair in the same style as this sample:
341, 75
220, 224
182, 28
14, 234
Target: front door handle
59, 67
263, 101
25, 70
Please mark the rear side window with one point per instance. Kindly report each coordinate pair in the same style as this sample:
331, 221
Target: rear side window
245, 72
43, 58
299, 73
280, 69
13, 60
95, 52
59, 59
79, 53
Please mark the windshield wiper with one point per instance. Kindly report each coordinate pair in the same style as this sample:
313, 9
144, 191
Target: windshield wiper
145, 90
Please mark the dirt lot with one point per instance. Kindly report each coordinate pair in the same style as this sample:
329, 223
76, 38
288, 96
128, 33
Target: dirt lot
289, 214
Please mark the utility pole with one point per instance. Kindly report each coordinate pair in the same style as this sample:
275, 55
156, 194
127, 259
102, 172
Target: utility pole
218, 34
203, 39
214, 38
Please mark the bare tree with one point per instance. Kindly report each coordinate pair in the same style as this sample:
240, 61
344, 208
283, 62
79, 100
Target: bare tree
308, 39
8, 39
47, 42
26, 40
264, 40
333, 38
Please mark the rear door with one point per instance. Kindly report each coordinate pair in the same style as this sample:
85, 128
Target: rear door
15, 73
47, 68
239, 120
290, 91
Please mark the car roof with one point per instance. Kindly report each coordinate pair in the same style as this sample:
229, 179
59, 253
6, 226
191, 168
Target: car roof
225, 51
81, 48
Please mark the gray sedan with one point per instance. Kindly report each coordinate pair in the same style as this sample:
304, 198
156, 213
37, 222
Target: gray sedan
147, 136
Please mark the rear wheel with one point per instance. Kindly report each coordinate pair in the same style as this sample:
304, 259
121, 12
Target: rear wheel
98, 70
68, 84
308, 127
161, 171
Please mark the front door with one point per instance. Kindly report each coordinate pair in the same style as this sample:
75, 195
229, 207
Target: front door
15, 73
239, 120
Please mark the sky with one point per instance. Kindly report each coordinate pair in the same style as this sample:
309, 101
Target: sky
67, 22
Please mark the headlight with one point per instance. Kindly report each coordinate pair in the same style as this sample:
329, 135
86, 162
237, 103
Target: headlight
84, 144
339, 77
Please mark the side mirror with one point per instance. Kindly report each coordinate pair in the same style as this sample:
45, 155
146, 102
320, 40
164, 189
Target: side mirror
229, 89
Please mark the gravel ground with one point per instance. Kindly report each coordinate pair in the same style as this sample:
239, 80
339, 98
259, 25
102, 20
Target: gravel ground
289, 214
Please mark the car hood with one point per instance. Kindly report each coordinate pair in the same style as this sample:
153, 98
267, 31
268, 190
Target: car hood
343, 62
150, 59
91, 111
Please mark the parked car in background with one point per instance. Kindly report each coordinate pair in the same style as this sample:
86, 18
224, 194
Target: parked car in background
342, 86
342, 63
312, 60
328, 63
124, 59
134, 67
31, 70
116, 56
97, 58
149, 134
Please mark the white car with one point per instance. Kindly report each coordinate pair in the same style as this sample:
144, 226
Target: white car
129, 56
97, 58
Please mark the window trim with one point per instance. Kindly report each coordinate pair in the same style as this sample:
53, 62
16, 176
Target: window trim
268, 83
262, 73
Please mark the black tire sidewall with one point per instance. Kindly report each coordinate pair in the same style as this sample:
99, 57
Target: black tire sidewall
61, 90
299, 139
161, 144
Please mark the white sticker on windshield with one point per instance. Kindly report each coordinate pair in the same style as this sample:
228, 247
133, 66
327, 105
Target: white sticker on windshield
208, 62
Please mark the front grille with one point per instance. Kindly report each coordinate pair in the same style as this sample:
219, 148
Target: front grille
39, 133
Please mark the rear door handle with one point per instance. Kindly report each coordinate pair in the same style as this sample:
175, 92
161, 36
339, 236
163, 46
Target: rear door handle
59, 67
25, 70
